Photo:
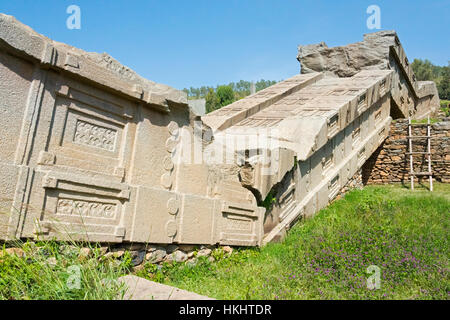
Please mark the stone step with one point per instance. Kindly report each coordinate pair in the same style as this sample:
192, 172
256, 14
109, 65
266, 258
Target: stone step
142, 289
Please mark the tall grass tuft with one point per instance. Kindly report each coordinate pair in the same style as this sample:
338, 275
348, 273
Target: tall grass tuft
59, 270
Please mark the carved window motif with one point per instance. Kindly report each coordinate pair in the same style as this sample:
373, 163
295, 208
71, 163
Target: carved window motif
362, 102
381, 135
378, 115
361, 156
86, 208
235, 223
333, 187
383, 87
349, 115
333, 126
327, 162
356, 135
95, 136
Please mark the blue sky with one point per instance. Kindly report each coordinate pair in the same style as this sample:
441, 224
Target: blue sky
208, 42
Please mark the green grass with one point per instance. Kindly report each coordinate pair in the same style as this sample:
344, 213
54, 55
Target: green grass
445, 108
49, 271
405, 233
425, 120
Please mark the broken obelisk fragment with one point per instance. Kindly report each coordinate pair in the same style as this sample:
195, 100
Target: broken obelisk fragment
92, 151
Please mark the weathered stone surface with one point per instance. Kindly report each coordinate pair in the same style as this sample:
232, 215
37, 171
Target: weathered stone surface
198, 106
177, 256
137, 257
143, 289
204, 252
85, 253
378, 51
13, 251
227, 249
91, 151
156, 256
91, 146
51, 262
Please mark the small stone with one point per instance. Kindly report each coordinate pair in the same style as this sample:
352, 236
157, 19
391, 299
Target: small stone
118, 253
137, 257
108, 255
192, 262
136, 247
151, 248
191, 254
171, 248
138, 268
204, 252
227, 249
68, 250
179, 256
187, 247
156, 256
103, 250
52, 262
13, 252
211, 259
84, 254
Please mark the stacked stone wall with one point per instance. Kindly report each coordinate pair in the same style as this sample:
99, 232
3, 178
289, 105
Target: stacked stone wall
390, 162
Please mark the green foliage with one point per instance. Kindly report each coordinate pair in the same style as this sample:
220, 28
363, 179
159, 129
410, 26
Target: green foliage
269, 200
46, 272
214, 100
425, 120
426, 71
444, 83
405, 233
445, 106
225, 95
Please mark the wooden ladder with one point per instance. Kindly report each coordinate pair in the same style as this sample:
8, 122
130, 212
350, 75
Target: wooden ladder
410, 137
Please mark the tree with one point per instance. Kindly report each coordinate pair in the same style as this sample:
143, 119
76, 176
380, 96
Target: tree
444, 83
426, 71
225, 95
212, 101
423, 69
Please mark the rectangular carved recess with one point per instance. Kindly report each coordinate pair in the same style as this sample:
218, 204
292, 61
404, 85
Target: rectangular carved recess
356, 134
239, 224
381, 135
327, 161
84, 194
362, 102
287, 201
378, 115
333, 125
333, 187
83, 207
96, 136
361, 156
382, 87
88, 132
